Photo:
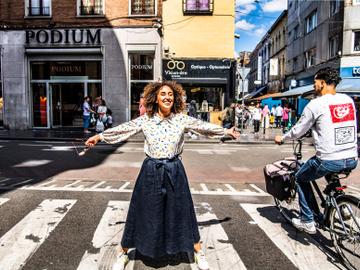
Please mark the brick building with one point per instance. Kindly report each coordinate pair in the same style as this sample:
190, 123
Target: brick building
53, 53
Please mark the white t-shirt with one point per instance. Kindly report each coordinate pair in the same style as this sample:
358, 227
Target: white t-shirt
279, 111
332, 119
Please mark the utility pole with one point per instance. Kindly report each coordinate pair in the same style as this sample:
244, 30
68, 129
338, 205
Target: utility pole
242, 72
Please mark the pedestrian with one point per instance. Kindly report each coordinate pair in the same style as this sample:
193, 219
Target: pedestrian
256, 117
278, 115
265, 116
86, 114
273, 110
161, 218
285, 118
192, 109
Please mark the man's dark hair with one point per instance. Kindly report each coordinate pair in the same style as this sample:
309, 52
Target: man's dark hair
329, 75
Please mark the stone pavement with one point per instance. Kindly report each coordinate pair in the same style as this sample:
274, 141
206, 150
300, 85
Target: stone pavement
74, 134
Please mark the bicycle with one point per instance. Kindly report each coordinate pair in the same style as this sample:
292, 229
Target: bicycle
340, 215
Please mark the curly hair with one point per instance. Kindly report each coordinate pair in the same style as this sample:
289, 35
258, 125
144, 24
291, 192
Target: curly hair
329, 75
150, 97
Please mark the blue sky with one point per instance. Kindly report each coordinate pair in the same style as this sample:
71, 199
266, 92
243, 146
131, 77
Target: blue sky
253, 18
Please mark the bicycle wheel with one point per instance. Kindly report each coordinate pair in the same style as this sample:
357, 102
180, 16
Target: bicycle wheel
289, 208
347, 244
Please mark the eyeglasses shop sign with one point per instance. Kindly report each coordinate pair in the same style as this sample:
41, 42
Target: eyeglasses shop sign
175, 69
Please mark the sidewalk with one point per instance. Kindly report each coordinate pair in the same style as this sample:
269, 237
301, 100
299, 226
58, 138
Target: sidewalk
247, 137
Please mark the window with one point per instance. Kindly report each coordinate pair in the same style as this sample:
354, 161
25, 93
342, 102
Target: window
334, 6
143, 7
357, 41
295, 64
38, 7
198, 6
333, 46
90, 7
310, 57
311, 22
296, 32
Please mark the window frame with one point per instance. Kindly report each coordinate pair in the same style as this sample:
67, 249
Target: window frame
79, 13
333, 38
144, 15
198, 12
353, 42
337, 7
307, 53
28, 13
307, 20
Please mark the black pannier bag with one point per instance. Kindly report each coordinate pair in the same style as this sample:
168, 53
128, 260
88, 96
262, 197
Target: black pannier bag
279, 178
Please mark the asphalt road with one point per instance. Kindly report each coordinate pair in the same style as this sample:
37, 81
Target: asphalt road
62, 211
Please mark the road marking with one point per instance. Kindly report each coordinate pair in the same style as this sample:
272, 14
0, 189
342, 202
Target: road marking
22, 241
230, 187
46, 183
60, 148
32, 163
35, 145
124, 186
215, 242
106, 238
204, 187
73, 183
304, 254
4, 180
257, 188
352, 187
240, 169
98, 184
3, 200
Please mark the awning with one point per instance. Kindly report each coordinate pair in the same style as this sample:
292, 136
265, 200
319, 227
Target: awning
298, 91
267, 96
350, 86
256, 92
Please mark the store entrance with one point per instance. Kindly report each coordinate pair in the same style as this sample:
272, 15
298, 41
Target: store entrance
66, 102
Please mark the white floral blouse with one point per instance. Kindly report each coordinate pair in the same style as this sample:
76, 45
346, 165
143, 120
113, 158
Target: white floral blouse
164, 138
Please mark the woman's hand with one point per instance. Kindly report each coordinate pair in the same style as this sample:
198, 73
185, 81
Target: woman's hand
92, 141
233, 133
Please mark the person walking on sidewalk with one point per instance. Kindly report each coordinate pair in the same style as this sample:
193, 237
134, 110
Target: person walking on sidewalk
257, 117
331, 118
161, 218
86, 114
278, 116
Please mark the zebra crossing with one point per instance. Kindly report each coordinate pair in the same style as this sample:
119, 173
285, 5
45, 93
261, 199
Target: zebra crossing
19, 244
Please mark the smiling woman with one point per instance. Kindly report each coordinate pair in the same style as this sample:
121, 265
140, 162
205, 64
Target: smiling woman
161, 218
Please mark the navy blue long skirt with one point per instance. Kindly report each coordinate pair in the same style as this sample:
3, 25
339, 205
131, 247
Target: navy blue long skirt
161, 218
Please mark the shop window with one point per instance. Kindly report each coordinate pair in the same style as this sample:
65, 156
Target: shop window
142, 7
334, 7
357, 41
333, 46
198, 6
39, 102
91, 7
311, 22
141, 73
38, 7
310, 57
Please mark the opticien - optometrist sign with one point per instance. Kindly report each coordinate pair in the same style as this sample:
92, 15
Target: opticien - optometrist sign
63, 36
175, 69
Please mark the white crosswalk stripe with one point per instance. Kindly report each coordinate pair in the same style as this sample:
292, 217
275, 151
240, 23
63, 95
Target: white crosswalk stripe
22, 241
3, 200
106, 238
220, 253
288, 241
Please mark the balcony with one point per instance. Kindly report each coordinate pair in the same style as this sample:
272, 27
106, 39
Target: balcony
200, 7
91, 10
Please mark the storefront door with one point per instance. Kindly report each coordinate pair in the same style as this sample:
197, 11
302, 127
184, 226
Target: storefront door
66, 103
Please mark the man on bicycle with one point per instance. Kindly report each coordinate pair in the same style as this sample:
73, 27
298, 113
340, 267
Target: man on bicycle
331, 118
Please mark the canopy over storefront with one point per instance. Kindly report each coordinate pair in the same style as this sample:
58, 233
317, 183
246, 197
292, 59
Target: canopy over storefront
255, 93
298, 91
350, 86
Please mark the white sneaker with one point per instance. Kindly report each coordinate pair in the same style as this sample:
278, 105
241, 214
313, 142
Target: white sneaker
121, 261
308, 227
201, 261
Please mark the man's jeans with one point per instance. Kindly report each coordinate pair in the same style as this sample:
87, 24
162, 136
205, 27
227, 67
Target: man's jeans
313, 169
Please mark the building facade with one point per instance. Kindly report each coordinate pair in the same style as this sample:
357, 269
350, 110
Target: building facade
315, 32
199, 51
53, 53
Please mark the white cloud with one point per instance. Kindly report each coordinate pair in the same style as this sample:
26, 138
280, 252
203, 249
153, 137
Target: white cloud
244, 25
244, 7
259, 32
275, 6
